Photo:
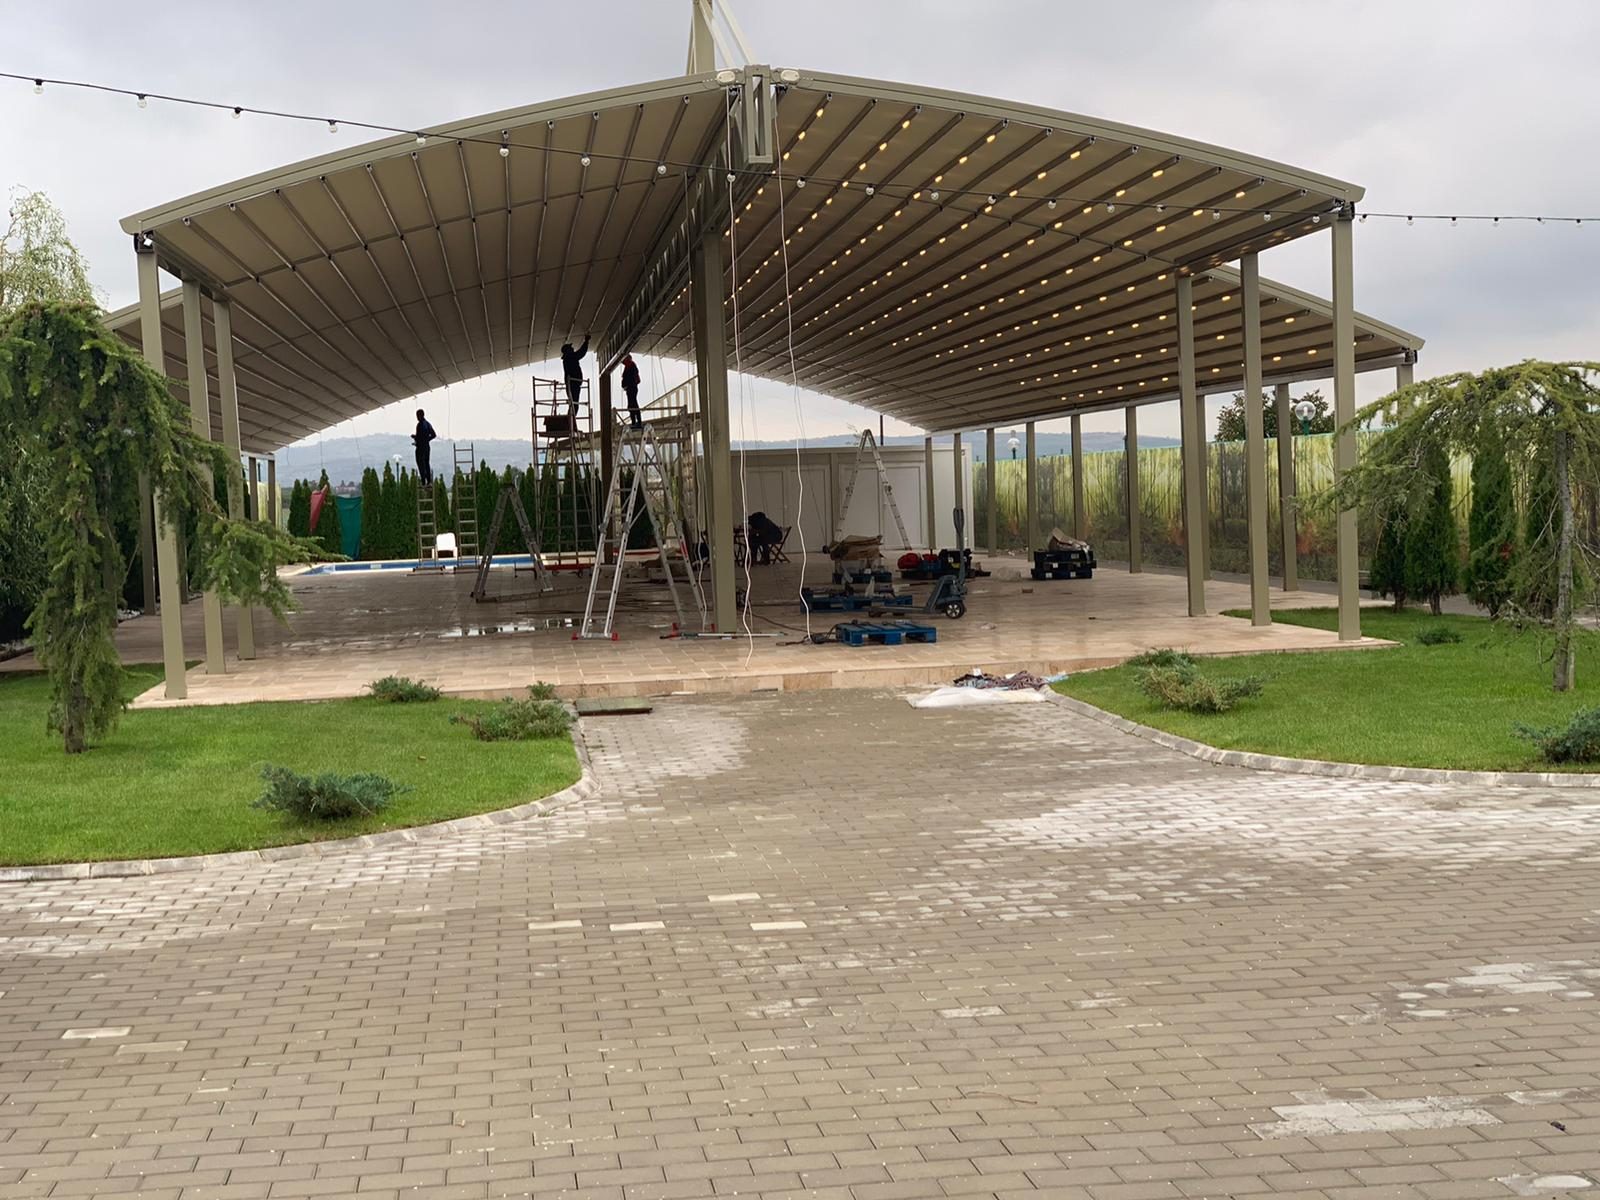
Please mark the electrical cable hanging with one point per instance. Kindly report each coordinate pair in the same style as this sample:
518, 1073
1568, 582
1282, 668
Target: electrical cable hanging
794, 393
738, 369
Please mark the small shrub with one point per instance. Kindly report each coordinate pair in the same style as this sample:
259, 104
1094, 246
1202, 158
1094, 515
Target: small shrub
398, 689
1164, 657
1438, 635
543, 691
1184, 688
328, 797
519, 720
1577, 742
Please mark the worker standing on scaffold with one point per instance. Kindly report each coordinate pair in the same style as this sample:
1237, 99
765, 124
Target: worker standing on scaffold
570, 367
421, 439
630, 389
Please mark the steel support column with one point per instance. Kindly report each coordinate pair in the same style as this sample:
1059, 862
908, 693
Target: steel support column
1080, 519
711, 360
200, 419
958, 499
1030, 484
273, 507
147, 544
170, 579
1130, 451
1344, 411
227, 386
931, 506
1194, 451
992, 523
252, 488
1286, 502
1255, 439
608, 457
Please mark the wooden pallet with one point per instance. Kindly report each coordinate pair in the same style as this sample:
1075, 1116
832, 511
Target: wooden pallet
851, 601
884, 633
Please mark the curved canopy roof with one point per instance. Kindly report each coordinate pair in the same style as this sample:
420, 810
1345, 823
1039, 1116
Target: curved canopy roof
372, 274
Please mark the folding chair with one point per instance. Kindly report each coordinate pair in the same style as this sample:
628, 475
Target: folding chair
778, 555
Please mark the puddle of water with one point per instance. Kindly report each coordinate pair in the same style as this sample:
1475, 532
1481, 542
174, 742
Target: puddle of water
534, 626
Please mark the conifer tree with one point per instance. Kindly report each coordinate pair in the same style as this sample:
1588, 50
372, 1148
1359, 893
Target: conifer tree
300, 509
1387, 570
1541, 519
1491, 526
387, 500
1433, 548
328, 531
371, 499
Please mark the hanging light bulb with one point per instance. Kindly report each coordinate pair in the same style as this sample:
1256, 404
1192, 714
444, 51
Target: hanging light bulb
1050, 204
800, 183
1410, 220
661, 168
237, 113
422, 139
333, 127
143, 101
585, 160
730, 177
871, 191
1216, 214
934, 195
1111, 208
505, 150
38, 87
1266, 216
992, 199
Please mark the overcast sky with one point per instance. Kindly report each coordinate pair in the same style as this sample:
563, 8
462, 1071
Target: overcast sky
1432, 105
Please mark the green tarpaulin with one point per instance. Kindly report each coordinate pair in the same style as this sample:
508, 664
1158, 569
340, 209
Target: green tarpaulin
349, 525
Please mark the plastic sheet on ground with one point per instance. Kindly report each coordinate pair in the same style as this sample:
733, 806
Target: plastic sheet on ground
967, 697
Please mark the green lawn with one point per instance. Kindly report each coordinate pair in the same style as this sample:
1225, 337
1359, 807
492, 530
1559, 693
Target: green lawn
180, 781
1412, 705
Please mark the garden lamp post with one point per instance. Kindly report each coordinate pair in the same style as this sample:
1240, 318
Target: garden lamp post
1013, 443
1305, 410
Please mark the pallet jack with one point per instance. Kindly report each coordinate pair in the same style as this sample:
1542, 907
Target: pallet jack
949, 594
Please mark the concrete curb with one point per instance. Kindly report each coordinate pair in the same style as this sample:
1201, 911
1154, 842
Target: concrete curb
120, 868
1330, 770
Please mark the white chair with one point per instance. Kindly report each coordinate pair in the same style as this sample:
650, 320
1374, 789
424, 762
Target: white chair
444, 546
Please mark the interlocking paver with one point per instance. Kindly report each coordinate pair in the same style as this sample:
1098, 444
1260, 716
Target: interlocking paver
825, 945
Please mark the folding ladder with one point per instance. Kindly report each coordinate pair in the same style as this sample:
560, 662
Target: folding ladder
868, 442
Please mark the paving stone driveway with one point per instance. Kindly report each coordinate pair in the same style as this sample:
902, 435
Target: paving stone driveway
825, 945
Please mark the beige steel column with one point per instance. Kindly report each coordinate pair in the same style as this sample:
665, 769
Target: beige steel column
992, 532
1286, 501
931, 507
608, 463
959, 493
1344, 411
1205, 485
272, 507
228, 388
711, 354
252, 488
1194, 450
170, 579
1130, 451
200, 419
1080, 519
1255, 439
1030, 484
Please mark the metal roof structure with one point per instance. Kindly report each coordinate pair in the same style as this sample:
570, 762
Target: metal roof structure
951, 260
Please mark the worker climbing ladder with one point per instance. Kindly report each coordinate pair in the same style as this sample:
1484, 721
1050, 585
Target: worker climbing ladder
643, 480
510, 497
464, 490
428, 559
868, 442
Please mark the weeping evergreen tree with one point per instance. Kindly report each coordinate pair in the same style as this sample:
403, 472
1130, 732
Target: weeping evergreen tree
1546, 418
1491, 526
1541, 523
300, 509
328, 531
98, 417
1432, 542
371, 499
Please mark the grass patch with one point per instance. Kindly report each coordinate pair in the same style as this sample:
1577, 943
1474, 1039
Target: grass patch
181, 781
1451, 705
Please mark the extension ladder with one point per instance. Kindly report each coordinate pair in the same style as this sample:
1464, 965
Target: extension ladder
868, 442
428, 559
510, 497
650, 489
464, 485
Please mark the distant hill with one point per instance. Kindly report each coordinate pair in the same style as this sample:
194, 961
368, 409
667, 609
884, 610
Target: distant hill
344, 458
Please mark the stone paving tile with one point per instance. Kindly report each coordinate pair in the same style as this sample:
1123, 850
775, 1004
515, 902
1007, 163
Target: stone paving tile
825, 945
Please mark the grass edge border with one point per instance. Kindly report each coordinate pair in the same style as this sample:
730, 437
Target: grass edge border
582, 789
1255, 761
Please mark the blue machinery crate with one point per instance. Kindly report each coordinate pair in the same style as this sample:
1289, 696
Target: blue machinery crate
884, 633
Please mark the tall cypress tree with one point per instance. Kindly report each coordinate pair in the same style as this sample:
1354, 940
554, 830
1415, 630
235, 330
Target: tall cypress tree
371, 498
487, 485
1491, 526
300, 508
1387, 570
441, 505
387, 499
409, 482
1432, 543
328, 530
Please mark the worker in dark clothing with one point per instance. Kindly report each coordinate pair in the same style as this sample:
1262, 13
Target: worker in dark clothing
763, 537
573, 373
420, 440
630, 389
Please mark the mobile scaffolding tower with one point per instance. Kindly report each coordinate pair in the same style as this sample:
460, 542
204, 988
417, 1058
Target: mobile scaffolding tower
565, 473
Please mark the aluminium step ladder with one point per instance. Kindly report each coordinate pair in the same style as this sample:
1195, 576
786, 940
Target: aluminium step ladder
650, 490
428, 560
510, 497
868, 442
